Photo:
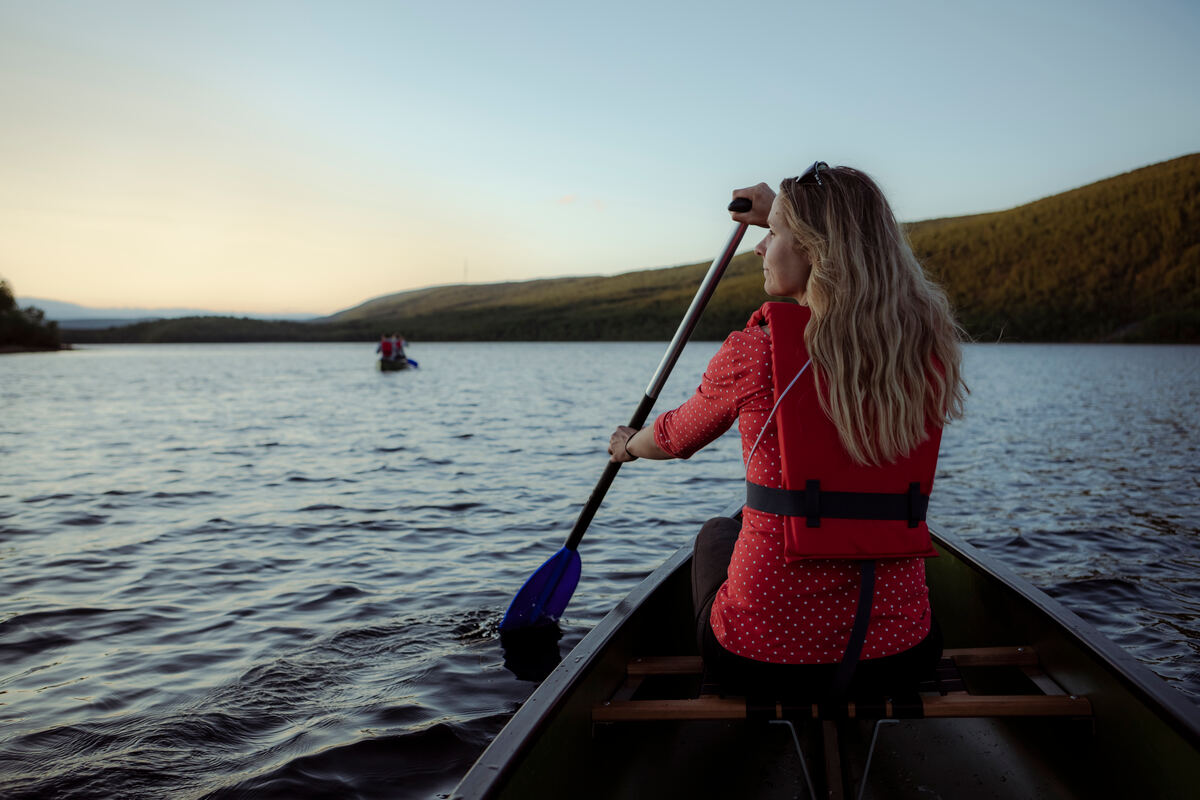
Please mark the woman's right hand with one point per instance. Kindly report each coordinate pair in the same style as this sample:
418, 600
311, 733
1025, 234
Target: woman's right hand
760, 196
618, 444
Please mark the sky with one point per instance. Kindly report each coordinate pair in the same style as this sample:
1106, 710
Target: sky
297, 156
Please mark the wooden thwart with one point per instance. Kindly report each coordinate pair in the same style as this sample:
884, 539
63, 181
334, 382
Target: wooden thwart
710, 707
666, 665
954, 704
963, 657
992, 656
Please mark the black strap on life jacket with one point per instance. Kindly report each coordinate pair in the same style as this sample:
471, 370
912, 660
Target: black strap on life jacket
858, 633
812, 503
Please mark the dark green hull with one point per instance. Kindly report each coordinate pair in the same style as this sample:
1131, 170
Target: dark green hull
392, 365
1143, 739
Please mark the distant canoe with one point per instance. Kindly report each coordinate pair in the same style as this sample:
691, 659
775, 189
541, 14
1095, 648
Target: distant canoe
391, 365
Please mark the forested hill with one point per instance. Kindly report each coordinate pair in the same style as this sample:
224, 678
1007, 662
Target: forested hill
1117, 260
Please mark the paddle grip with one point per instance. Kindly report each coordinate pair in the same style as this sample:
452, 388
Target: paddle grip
610, 473
740, 204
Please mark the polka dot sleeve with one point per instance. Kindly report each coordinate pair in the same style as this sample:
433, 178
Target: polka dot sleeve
723, 390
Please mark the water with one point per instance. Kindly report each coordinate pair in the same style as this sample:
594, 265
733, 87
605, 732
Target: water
270, 571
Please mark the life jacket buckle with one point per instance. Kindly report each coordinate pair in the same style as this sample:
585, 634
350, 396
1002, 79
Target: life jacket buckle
915, 512
812, 503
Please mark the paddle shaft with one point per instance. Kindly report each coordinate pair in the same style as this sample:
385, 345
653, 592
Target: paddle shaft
688, 324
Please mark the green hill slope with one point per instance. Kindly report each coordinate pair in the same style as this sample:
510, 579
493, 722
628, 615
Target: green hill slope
646, 304
1115, 259
1118, 260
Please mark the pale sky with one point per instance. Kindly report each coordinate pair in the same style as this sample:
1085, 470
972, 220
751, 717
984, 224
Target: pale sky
306, 156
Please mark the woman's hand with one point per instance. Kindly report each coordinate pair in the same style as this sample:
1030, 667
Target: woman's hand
760, 197
618, 444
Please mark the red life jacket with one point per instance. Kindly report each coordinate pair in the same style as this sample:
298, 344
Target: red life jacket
385, 348
834, 507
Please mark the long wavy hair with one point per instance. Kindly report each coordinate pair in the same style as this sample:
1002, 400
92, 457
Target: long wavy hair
882, 337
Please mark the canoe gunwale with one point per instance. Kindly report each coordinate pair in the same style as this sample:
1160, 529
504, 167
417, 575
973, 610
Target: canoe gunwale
1177, 709
491, 769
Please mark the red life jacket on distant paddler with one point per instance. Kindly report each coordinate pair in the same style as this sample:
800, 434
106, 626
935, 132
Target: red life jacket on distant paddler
834, 507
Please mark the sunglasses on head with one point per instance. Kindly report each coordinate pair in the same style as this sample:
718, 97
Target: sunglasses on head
813, 173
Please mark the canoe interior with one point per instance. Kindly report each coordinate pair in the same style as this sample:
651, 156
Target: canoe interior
1143, 740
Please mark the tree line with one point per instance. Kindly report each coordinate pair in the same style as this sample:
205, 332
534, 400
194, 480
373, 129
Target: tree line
24, 328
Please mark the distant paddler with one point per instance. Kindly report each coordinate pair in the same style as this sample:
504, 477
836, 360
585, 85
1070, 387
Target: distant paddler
391, 353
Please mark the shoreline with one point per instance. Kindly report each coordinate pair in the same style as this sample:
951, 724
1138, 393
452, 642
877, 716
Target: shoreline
12, 349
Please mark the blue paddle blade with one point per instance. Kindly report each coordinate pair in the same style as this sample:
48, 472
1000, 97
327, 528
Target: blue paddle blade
412, 363
545, 595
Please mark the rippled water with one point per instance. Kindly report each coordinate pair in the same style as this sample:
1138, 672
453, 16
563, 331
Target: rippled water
270, 571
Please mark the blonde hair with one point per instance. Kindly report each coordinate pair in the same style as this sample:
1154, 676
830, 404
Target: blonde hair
882, 337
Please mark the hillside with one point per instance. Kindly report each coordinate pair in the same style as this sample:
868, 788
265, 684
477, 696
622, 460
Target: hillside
1117, 260
646, 304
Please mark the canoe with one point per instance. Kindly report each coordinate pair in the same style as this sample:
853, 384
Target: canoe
392, 365
1055, 710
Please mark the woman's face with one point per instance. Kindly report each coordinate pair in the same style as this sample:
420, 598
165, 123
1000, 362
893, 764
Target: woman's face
785, 267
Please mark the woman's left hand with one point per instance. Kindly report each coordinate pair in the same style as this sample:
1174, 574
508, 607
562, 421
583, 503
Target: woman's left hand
618, 444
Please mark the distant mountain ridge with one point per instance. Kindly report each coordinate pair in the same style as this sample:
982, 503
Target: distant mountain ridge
1116, 260
69, 314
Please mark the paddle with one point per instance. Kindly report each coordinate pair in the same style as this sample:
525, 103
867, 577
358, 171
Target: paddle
545, 595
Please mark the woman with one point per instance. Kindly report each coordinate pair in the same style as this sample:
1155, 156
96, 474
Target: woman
840, 400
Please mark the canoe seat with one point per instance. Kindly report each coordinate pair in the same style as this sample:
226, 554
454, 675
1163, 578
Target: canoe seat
945, 694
